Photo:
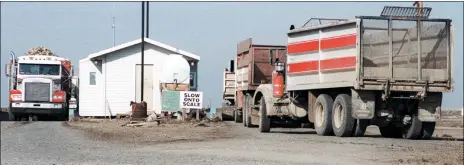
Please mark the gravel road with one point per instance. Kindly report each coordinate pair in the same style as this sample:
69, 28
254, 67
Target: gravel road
53, 143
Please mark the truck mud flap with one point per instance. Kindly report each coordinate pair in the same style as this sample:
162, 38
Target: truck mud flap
430, 107
363, 104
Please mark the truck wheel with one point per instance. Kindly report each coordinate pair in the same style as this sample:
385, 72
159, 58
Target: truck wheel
244, 110
427, 130
360, 129
237, 116
12, 117
249, 103
342, 121
323, 115
413, 130
264, 120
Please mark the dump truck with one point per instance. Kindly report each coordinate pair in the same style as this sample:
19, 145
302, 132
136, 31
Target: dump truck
40, 85
253, 69
227, 110
344, 75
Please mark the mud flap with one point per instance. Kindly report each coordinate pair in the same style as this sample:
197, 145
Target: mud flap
430, 107
363, 104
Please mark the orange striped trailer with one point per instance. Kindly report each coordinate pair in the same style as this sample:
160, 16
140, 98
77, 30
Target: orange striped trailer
342, 76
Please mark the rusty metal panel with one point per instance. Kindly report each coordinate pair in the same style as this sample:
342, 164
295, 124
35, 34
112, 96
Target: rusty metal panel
253, 65
244, 46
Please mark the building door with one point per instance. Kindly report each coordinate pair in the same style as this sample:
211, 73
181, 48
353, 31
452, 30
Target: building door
147, 84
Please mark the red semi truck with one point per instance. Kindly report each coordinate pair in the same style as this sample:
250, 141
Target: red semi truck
40, 85
390, 71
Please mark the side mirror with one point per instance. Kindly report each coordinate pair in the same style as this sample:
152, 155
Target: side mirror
7, 70
271, 57
72, 70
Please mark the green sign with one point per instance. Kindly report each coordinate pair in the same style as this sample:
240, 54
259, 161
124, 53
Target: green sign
170, 101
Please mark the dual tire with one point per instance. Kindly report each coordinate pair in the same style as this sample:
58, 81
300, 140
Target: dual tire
246, 112
334, 117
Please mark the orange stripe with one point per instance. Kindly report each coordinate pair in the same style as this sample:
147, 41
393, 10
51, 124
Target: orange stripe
335, 63
326, 43
349, 40
338, 63
303, 66
301, 47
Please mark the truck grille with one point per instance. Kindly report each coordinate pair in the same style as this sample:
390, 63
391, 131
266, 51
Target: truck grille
37, 92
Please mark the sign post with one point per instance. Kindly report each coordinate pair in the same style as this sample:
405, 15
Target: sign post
191, 100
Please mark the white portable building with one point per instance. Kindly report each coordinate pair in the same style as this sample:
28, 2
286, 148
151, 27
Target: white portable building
110, 79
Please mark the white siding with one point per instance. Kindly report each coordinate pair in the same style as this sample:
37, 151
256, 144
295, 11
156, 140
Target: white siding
120, 85
90, 96
119, 67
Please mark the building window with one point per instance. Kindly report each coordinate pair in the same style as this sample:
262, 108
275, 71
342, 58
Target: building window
192, 80
92, 78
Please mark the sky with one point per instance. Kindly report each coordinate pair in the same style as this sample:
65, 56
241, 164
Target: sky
209, 29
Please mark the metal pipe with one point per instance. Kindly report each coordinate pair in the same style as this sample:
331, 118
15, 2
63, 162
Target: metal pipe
114, 32
390, 48
142, 51
419, 51
148, 19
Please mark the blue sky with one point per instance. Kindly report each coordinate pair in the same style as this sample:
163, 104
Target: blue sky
211, 30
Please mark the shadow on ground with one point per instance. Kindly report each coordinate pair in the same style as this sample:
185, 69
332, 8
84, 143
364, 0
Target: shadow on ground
4, 116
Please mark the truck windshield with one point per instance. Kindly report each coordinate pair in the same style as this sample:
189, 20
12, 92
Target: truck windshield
39, 69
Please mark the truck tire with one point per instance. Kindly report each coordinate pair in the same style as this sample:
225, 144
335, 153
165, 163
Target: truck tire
323, 115
427, 130
237, 117
413, 130
342, 121
244, 108
360, 128
248, 113
12, 117
264, 120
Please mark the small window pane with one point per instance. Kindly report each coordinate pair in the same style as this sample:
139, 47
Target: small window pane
92, 78
192, 80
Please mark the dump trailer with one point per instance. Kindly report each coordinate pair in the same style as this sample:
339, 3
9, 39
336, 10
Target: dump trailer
253, 69
40, 85
390, 71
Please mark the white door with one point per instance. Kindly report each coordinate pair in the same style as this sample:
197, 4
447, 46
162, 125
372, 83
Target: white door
147, 85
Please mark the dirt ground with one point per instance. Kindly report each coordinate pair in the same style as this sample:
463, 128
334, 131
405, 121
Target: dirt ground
152, 133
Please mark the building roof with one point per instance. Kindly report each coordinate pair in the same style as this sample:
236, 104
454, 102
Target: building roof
138, 41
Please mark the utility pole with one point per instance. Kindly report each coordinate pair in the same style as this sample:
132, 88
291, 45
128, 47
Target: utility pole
148, 19
114, 32
142, 51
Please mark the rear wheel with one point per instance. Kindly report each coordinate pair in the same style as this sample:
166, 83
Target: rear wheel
360, 128
427, 130
342, 121
12, 117
249, 103
244, 110
237, 118
264, 120
323, 115
412, 130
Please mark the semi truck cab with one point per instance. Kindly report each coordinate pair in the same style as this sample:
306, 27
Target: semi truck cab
39, 86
